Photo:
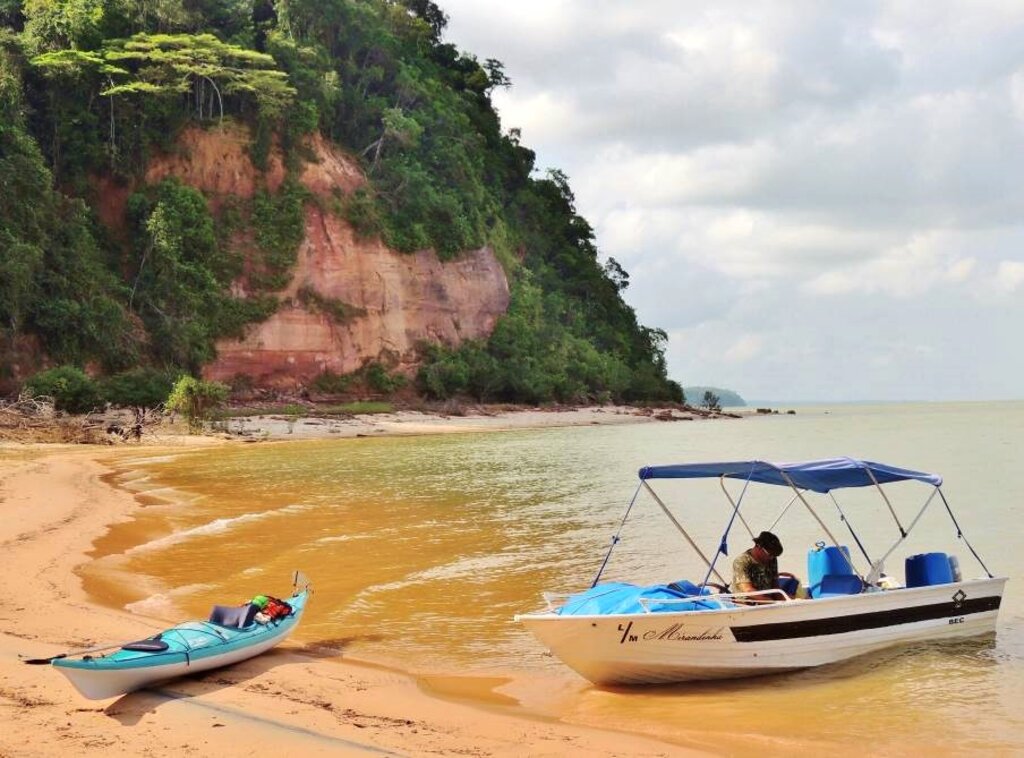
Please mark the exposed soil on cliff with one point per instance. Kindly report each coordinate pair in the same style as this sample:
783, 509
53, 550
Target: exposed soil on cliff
404, 299
393, 301
216, 161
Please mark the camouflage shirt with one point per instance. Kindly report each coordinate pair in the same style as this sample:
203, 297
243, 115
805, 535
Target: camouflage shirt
746, 569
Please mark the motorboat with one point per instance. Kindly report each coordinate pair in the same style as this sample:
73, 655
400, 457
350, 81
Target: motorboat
232, 634
618, 633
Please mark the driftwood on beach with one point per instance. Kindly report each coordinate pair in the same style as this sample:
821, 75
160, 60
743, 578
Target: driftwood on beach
36, 419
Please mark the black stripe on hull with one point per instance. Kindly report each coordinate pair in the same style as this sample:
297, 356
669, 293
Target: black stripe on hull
876, 620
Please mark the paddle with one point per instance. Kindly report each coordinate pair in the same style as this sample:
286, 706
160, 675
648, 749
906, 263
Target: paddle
51, 659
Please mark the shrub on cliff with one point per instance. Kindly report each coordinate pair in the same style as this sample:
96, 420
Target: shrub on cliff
380, 379
138, 388
71, 388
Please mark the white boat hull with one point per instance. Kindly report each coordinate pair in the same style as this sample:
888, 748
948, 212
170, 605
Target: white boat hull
651, 648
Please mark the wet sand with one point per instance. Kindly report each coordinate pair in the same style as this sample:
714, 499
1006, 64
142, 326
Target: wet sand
55, 502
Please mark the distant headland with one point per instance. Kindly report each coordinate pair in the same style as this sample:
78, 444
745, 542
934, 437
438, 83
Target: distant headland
726, 398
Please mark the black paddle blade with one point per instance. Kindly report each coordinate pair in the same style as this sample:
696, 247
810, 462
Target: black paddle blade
43, 661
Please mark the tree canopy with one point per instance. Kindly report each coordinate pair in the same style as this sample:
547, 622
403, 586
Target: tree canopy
93, 88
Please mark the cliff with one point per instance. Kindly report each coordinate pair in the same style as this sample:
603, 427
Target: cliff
396, 300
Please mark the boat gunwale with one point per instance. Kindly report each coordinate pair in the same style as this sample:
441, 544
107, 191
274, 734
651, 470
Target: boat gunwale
548, 615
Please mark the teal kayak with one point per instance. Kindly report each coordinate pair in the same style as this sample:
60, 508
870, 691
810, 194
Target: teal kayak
187, 648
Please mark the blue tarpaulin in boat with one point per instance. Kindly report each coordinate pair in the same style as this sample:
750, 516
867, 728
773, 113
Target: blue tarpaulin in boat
817, 476
617, 597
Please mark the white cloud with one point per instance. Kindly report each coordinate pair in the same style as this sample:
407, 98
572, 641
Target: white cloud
545, 115
744, 349
906, 271
960, 270
1016, 88
787, 182
1010, 276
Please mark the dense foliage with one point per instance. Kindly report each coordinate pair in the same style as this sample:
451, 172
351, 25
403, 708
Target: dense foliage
196, 400
75, 391
93, 88
70, 388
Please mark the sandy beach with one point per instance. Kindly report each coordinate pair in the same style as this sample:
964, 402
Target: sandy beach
270, 427
56, 501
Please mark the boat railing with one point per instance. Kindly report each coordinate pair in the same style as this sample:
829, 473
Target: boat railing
555, 600
722, 600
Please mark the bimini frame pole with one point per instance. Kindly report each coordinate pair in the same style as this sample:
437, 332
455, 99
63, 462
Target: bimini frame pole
682, 531
870, 473
876, 568
782, 513
817, 518
615, 539
849, 526
960, 533
723, 548
736, 508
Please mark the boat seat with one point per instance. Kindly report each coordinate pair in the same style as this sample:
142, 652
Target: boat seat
832, 562
789, 584
840, 584
234, 616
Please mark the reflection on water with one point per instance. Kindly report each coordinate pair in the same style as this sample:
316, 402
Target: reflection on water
422, 549
933, 698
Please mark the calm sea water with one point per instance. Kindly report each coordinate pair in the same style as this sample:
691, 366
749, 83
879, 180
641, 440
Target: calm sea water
422, 549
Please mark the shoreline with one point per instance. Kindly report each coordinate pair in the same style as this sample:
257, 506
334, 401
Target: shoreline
57, 500
479, 419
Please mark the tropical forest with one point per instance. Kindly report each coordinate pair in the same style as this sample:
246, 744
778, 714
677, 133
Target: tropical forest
119, 280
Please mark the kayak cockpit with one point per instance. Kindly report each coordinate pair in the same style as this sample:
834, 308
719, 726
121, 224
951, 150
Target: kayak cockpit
234, 616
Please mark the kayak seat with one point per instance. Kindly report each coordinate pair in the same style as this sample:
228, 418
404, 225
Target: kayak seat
234, 616
148, 645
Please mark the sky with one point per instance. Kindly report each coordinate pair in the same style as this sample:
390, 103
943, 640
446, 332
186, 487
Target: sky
816, 201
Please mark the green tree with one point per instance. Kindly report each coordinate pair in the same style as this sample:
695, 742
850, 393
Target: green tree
71, 388
711, 401
181, 275
429, 12
196, 400
137, 388
202, 67
60, 24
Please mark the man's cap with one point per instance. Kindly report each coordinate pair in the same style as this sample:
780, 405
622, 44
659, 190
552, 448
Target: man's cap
769, 542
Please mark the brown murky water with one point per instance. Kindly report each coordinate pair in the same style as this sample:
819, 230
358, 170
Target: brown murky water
422, 549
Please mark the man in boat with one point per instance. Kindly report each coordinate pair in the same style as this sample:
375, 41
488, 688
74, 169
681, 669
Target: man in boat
758, 568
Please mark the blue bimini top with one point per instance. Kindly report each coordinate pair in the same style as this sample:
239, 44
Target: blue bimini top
818, 476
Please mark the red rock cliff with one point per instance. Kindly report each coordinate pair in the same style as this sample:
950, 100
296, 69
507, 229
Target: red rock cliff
404, 299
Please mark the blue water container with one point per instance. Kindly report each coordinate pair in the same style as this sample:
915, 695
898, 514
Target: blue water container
824, 561
926, 569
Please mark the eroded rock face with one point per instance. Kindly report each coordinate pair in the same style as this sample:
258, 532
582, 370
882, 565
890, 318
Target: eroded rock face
402, 299
216, 161
407, 299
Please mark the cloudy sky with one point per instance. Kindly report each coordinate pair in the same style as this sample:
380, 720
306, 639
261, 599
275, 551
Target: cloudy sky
817, 201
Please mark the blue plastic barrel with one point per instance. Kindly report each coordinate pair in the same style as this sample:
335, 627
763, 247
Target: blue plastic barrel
825, 561
926, 569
